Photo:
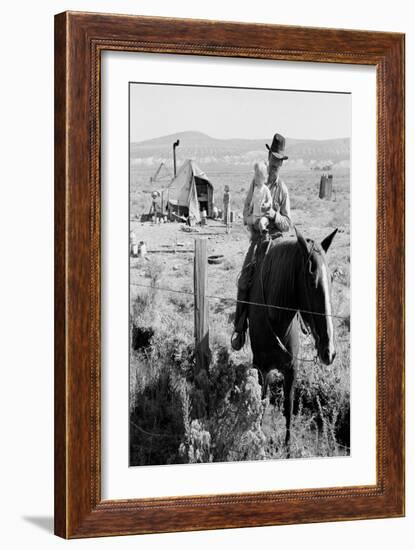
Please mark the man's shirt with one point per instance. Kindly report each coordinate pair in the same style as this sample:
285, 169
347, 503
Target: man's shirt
281, 205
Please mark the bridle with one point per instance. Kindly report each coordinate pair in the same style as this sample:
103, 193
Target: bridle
311, 323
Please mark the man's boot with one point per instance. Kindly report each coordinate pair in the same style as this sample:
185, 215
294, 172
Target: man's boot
238, 340
239, 334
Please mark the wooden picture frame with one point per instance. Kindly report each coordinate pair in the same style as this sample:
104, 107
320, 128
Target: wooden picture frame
79, 40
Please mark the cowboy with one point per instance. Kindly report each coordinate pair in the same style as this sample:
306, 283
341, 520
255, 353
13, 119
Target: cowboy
279, 217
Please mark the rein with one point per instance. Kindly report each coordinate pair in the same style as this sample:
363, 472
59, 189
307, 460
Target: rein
276, 337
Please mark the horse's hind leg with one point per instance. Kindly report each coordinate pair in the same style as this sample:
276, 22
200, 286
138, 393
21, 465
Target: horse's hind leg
289, 381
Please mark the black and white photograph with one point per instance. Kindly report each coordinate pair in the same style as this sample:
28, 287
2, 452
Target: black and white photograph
239, 274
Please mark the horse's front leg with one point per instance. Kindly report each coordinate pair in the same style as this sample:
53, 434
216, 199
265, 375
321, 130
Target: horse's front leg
290, 374
289, 385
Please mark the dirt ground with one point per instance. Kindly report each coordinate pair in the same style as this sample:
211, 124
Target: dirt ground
172, 246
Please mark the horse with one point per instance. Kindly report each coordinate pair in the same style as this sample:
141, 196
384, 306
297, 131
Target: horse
293, 275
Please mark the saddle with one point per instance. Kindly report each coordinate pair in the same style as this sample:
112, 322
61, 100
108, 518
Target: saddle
263, 243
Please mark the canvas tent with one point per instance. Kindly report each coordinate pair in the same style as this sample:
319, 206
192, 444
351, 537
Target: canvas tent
190, 192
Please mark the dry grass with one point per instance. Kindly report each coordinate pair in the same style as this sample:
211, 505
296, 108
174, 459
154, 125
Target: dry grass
166, 399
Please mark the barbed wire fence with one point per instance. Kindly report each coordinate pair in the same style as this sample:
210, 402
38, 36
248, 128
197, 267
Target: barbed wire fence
235, 300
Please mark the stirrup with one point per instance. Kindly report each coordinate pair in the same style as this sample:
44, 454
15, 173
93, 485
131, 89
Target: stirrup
238, 340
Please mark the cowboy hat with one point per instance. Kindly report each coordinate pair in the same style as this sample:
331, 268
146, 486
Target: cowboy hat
277, 147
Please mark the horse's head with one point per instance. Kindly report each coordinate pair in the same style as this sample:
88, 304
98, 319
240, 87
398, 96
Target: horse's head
316, 294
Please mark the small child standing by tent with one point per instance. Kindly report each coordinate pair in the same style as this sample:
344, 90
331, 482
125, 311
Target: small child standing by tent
261, 200
227, 206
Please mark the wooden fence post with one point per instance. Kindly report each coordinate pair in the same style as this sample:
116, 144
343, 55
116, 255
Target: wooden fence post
201, 306
326, 186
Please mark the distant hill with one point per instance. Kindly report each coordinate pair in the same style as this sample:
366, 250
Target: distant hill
199, 139
208, 150
336, 150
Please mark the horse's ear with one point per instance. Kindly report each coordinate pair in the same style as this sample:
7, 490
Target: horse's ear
326, 242
301, 241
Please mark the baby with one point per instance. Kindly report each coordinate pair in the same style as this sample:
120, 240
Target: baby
261, 200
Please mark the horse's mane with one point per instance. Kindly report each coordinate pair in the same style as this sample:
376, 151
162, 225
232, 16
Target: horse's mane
279, 272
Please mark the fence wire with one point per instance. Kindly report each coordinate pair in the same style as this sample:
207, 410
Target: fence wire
235, 300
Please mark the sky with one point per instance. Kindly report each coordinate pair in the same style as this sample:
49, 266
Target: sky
161, 109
